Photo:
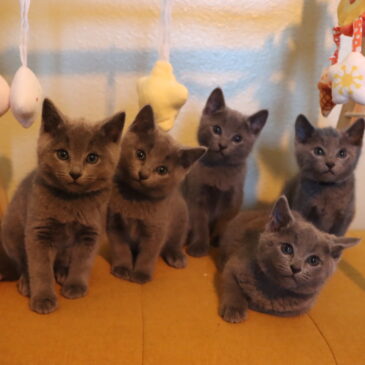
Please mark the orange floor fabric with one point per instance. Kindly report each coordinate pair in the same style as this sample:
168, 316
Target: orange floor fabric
173, 320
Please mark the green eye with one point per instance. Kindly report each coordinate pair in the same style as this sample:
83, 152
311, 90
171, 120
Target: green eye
287, 248
92, 158
140, 155
342, 154
162, 170
313, 260
217, 129
62, 154
318, 151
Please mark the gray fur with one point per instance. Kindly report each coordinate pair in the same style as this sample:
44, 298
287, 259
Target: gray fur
258, 274
324, 189
213, 188
54, 222
147, 215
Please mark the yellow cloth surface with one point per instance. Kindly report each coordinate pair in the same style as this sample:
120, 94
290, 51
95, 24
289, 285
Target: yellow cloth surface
173, 320
104, 327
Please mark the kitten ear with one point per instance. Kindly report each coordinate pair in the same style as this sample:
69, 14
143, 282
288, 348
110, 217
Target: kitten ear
355, 132
112, 128
258, 120
303, 129
51, 118
215, 102
281, 216
341, 243
188, 156
144, 121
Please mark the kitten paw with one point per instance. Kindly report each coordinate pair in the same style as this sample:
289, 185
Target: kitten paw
44, 304
175, 259
61, 274
232, 314
74, 291
198, 250
121, 272
23, 286
140, 277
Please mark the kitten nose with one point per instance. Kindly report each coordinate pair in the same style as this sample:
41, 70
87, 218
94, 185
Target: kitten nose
222, 146
75, 175
295, 269
142, 175
330, 164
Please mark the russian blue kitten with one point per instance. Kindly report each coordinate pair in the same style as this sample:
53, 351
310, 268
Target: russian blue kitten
213, 188
324, 190
54, 222
275, 264
148, 216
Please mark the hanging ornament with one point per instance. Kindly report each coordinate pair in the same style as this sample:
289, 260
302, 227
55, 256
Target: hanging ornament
348, 77
25, 92
4, 96
348, 11
325, 94
325, 84
160, 89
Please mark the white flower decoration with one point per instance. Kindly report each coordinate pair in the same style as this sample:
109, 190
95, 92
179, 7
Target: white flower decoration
348, 79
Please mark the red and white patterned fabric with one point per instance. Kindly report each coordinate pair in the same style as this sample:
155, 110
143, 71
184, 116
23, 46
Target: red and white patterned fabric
348, 77
344, 81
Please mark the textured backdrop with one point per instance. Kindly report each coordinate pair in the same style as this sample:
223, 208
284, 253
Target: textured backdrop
88, 55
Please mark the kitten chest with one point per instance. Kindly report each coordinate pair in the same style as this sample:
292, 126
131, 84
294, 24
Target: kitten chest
219, 202
326, 205
268, 299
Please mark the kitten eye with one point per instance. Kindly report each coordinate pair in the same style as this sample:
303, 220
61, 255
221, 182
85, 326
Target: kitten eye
237, 138
287, 248
92, 158
313, 260
62, 154
140, 155
217, 129
318, 151
342, 154
162, 170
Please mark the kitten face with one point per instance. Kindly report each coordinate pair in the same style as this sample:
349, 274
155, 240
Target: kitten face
296, 255
152, 163
228, 134
75, 156
327, 155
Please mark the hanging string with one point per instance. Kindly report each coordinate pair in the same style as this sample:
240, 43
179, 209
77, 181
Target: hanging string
165, 30
24, 29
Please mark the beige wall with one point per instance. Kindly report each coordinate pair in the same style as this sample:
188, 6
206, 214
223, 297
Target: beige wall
88, 55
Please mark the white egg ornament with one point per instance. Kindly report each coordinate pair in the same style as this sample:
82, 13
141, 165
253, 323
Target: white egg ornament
25, 96
4, 96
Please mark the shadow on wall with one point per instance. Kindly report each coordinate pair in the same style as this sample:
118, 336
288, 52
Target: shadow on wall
5, 178
275, 73
6, 172
296, 91
284, 76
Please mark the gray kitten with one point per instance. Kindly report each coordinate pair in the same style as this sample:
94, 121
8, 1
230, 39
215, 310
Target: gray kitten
324, 190
275, 264
148, 216
54, 222
213, 188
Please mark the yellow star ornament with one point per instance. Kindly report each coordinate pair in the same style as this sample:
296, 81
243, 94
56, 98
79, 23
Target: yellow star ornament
161, 90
